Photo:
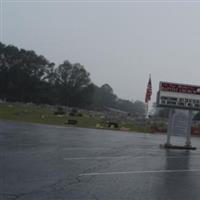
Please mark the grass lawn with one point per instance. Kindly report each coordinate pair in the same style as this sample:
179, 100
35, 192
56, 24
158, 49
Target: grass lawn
39, 114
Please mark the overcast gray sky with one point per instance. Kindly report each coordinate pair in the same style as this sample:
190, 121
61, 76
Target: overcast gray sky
119, 43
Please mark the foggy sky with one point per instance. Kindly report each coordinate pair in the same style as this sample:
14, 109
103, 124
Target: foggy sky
118, 43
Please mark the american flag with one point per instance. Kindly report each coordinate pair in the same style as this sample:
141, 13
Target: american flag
148, 91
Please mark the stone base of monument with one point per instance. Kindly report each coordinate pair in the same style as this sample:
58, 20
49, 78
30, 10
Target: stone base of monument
170, 146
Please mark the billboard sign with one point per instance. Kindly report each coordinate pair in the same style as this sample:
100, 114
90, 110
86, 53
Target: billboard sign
175, 95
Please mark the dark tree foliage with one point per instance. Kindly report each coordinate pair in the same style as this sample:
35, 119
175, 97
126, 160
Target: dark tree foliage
23, 75
162, 112
197, 116
28, 77
137, 107
73, 84
104, 96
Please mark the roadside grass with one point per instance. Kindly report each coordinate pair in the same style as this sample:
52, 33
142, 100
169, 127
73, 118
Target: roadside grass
39, 114
43, 115
29, 114
136, 127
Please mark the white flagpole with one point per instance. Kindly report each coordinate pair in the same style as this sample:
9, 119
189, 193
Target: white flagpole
147, 103
147, 110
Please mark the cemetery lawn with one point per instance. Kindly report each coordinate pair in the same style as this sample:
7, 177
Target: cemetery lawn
45, 115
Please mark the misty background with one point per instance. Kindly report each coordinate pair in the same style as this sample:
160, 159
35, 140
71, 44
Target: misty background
119, 43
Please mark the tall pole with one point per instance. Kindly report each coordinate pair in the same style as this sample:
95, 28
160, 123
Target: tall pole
147, 110
148, 95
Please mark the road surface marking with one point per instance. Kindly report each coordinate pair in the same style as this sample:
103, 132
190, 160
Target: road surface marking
85, 148
140, 172
95, 158
131, 157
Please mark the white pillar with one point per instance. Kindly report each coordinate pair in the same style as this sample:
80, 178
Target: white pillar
170, 123
147, 110
188, 136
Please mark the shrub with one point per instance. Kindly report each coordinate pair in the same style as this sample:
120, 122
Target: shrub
59, 111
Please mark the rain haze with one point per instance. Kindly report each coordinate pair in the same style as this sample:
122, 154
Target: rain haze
64, 134
119, 43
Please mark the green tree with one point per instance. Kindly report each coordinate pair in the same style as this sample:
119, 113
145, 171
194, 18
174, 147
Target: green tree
23, 74
104, 96
73, 84
136, 108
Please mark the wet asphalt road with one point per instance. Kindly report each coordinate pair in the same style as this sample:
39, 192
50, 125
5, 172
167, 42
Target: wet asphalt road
39, 162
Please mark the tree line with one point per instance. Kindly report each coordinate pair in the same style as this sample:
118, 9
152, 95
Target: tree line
28, 77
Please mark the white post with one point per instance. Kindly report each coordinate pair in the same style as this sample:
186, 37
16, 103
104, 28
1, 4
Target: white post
147, 110
188, 136
169, 129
